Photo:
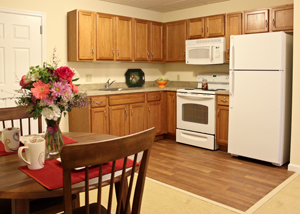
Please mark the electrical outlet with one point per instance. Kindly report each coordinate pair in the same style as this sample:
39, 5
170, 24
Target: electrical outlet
88, 77
178, 76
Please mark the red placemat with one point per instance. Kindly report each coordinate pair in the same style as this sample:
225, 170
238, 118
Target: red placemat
51, 176
67, 140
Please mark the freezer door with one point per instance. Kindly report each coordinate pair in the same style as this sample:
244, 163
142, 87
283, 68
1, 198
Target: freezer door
262, 51
256, 115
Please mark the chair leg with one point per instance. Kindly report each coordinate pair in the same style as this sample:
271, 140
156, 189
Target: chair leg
76, 201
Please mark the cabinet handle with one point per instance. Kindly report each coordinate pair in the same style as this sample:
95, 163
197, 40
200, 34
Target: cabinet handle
113, 52
147, 54
207, 29
125, 112
173, 98
105, 114
184, 53
93, 51
149, 108
273, 22
118, 52
266, 23
152, 54
224, 100
218, 112
202, 30
154, 97
131, 111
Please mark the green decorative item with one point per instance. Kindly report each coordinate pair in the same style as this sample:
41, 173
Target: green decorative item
135, 78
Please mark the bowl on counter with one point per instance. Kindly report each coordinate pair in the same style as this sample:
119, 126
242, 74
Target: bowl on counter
162, 83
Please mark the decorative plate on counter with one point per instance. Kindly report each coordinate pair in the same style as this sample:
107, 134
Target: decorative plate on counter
135, 77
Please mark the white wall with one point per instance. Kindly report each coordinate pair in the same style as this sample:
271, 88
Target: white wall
295, 141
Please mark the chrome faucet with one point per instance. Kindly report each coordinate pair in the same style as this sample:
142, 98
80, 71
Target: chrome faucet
109, 84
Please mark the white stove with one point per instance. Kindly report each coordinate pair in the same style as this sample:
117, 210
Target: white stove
196, 111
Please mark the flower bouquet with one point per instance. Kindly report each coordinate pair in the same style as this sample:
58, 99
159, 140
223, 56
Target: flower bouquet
49, 91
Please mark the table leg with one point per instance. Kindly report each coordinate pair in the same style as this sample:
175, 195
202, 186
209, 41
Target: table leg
20, 206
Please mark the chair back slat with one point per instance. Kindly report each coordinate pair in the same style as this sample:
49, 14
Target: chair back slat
15, 116
99, 153
87, 195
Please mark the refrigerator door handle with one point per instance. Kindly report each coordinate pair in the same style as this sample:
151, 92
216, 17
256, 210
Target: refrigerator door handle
211, 53
231, 89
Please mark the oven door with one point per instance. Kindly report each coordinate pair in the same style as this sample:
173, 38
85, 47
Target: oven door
196, 112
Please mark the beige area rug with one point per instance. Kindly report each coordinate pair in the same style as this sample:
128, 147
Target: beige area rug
285, 198
160, 198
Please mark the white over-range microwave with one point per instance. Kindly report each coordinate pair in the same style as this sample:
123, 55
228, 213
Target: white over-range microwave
205, 51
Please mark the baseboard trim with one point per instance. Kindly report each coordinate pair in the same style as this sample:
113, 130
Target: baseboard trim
294, 167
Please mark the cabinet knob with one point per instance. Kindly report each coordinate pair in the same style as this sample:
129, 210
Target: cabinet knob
118, 52
218, 112
266, 23
113, 52
147, 54
152, 54
125, 112
93, 51
273, 22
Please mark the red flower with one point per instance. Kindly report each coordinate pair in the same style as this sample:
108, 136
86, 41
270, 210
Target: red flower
74, 87
64, 73
24, 82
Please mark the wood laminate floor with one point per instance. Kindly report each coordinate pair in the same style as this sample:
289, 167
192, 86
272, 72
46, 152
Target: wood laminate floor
234, 181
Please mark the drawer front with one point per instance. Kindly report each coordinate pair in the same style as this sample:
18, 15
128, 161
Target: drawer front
223, 100
126, 99
98, 101
153, 96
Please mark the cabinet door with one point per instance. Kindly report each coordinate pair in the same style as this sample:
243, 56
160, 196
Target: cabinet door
99, 120
233, 27
156, 42
222, 124
195, 28
86, 32
256, 21
175, 34
154, 116
141, 40
119, 120
215, 26
137, 117
105, 37
124, 38
282, 18
171, 112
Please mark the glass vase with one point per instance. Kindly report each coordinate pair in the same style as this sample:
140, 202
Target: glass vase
53, 137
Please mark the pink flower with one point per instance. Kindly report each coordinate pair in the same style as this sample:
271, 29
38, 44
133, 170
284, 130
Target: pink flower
49, 100
58, 89
64, 73
41, 90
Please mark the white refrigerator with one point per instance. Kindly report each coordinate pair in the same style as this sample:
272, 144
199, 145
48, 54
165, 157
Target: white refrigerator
260, 96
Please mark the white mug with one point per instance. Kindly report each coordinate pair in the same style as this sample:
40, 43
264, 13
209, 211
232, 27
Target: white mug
35, 153
11, 139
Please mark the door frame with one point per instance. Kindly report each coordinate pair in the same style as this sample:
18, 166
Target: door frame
31, 13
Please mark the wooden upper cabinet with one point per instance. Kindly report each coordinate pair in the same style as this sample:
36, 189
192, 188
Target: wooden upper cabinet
105, 37
205, 27
282, 18
256, 21
175, 36
233, 27
156, 41
81, 35
195, 28
141, 40
124, 38
215, 26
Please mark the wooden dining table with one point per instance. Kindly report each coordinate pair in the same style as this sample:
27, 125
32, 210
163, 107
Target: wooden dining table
20, 188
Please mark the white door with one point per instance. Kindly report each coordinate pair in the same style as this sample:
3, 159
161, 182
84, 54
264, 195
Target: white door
22, 45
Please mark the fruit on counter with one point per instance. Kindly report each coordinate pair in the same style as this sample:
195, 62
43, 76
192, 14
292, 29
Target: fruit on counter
161, 79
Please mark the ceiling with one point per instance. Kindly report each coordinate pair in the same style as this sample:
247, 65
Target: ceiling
164, 5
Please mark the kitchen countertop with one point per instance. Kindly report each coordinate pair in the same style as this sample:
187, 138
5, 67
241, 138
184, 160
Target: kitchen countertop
94, 89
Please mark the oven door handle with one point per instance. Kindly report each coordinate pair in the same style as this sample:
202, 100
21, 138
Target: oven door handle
196, 97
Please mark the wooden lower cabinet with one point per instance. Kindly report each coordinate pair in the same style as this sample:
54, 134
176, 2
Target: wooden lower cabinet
171, 113
222, 121
119, 120
154, 116
99, 120
137, 120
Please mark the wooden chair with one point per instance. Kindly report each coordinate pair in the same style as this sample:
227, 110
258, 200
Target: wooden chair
99, 153
38, 206
20, 114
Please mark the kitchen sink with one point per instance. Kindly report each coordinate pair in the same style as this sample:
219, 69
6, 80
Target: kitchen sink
114, 89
